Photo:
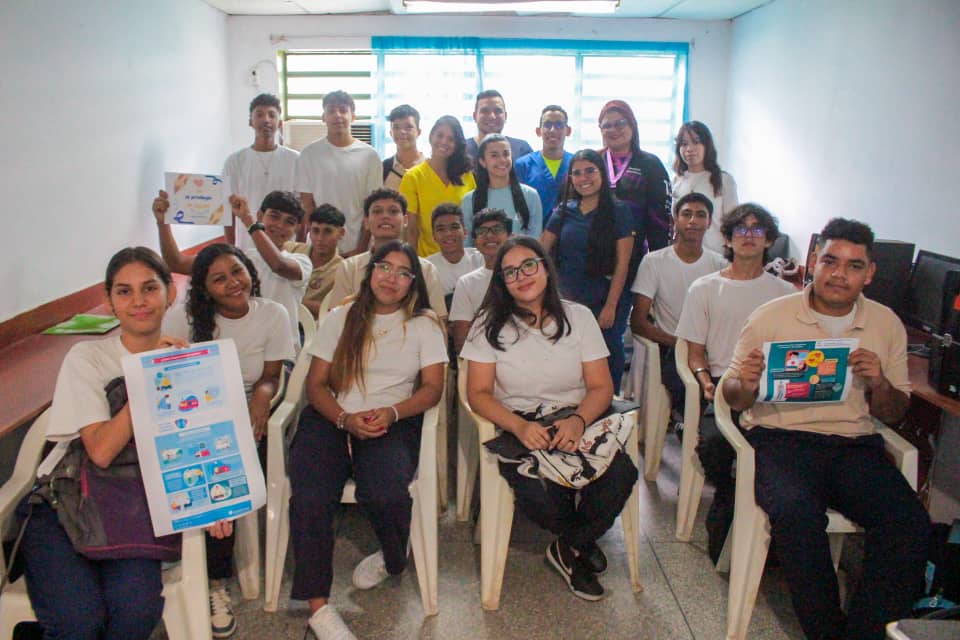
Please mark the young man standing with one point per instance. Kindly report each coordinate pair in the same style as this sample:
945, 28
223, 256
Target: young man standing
545, 170
263, 167
404, 129
490, 114
715, 310
326, 230
453, 260
283, 275
491, 228
811, 457
662, 282
340, 170
384, 218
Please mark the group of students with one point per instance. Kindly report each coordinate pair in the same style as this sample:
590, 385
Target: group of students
537, 309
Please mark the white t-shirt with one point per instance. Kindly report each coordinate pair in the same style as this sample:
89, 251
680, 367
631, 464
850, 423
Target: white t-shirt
79, 399
450, 272
699, 182
470, 291
343, 177
716, 309
287, 292
533, 370
400, 350
664, 278
349, 277
254, 174
262, 335
836, 326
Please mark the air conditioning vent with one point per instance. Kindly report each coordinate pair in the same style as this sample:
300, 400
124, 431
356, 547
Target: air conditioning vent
297, 134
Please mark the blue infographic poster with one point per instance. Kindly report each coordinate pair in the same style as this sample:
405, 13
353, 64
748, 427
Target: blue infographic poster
807, 370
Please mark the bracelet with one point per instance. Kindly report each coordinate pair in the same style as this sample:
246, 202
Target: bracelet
396, 414
577, 415
342, 420
699, 370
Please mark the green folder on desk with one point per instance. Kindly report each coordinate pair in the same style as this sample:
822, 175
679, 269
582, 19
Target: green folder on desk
83, 323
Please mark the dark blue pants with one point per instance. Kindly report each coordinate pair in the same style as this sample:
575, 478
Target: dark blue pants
800, 475
671, 379
77, 598
319, 466
613, 336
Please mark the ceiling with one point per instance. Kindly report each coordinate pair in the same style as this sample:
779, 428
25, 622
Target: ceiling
676, 9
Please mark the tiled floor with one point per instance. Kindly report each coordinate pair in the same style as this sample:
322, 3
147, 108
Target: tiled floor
683, 596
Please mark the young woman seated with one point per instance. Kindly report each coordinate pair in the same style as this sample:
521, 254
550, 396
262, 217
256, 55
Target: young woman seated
377, 366
529, 349
224, 302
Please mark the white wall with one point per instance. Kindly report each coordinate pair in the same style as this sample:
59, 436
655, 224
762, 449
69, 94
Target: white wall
250, 43
98, 99
849, 109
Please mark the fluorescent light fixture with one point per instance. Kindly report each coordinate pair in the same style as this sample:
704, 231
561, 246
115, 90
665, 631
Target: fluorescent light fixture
519, 6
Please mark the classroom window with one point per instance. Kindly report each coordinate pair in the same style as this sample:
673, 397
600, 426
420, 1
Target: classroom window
441, 76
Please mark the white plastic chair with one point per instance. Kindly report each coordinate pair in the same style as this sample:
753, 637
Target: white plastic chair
691, 471
496, 516
652, 396
468, 452
186, 612
745, 550
307, 322
443, 426
423, 490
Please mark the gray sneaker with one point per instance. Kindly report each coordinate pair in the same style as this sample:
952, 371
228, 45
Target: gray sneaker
222, 621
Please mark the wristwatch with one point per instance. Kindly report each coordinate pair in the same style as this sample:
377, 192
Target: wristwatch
256, 226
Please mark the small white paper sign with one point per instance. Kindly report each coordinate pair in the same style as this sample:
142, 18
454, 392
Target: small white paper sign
197, 454
197, 198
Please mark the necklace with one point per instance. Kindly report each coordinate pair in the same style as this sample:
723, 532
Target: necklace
266, 165
379, 333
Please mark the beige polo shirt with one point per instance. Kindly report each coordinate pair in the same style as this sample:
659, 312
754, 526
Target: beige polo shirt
349, 276
790, 318
321, 278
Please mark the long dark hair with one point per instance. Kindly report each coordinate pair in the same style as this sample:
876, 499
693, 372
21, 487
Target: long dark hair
201, 308
459, 163
699, 131
143, 255
483, 183
601, 243
353, 349
499, 308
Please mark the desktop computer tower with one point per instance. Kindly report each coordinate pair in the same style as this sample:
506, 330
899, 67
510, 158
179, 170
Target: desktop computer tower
894, 260
945, 368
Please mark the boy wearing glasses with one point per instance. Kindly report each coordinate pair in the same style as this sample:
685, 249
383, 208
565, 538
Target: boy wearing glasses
454, 259
384, 219
715, 310
545, 170
662, 282
491, 228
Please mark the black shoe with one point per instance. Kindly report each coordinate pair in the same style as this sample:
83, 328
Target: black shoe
579, 578
592, 557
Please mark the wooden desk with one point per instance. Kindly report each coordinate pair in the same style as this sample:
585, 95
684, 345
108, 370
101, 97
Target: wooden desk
920, 381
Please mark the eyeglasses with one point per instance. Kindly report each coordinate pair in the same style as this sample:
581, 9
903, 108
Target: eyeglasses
616, 124
553, 124
388, 269
494, 229
444, 228
588, 171
528, 268
744, 231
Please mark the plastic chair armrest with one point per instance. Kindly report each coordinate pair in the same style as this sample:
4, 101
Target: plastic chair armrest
905, 455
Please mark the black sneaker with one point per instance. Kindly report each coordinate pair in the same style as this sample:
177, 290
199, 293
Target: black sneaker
579, 578
593, 558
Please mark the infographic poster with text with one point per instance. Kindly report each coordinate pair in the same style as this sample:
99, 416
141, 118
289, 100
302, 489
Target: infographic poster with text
196, 447
807, 370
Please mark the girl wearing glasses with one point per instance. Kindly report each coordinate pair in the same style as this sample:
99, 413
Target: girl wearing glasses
593, 237
637, 178
696, 169
498, 187
529, 349
363, 420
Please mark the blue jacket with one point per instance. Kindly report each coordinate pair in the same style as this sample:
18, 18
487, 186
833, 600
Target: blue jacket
533, 171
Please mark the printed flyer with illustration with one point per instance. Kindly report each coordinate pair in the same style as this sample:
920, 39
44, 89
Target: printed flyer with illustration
197, 453
197, 199
807, 370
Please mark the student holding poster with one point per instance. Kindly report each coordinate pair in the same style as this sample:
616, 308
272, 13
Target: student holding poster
70, 593
364, 420
814, 456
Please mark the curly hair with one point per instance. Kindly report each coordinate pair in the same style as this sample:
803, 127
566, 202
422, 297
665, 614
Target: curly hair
459, 163
483, 183
736, 217
201, 308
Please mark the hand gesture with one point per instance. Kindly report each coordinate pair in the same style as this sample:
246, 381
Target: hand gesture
569, 432
363, 425
533, 435
259, 415
866, 364
220, 529
170, 341
607, 315
751, 370
709, 389
380, 418
241, 209
160, 205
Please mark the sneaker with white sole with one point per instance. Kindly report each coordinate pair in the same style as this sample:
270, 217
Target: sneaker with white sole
327, 624
222, 621
371, 571
578, 577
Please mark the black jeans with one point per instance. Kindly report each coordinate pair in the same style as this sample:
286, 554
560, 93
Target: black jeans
555, 508
671, 379
800, 475
319, 466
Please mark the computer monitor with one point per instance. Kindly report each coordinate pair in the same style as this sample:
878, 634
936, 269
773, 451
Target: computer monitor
934, 285
811, 260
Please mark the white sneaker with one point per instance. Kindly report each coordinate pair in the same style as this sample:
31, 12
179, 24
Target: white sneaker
371, 571
327, 624
222, 621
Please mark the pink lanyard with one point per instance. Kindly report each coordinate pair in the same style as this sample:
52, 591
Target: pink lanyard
615, 176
